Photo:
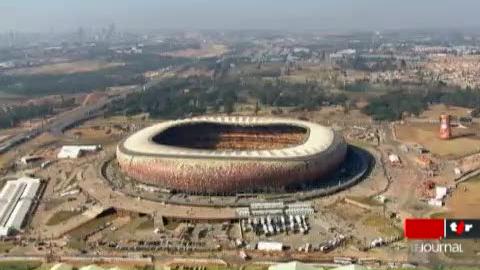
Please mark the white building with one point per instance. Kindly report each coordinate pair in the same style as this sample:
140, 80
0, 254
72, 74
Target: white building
440, 192
343, 54
28, 159
435, 202
394, 159
16, 200
75, 151
269, 246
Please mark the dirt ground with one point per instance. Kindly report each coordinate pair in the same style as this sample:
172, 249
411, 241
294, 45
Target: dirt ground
426, 134
65, 68
205, 52
4, 137
316, 72
103, 134
465, 200
434, 111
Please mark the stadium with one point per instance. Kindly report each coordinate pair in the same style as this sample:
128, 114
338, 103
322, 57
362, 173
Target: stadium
231, 155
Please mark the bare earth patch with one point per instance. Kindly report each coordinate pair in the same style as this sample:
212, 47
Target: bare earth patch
434, 111
205, 52
62, 216
65, 68
465, 140
465, 201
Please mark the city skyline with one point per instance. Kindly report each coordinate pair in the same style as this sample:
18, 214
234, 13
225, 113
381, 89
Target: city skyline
56, 15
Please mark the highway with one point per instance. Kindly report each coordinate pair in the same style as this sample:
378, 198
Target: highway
59, 123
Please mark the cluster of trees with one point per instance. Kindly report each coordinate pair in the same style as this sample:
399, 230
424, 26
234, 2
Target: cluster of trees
358, 86
9, 117
131, 73
372, 65
307, 96
69, 83
176, 97
468, 98
393, 105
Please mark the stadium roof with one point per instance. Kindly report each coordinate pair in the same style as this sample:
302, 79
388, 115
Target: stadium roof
319, 139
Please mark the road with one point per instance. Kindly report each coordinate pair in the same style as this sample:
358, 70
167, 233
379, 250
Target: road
59, 123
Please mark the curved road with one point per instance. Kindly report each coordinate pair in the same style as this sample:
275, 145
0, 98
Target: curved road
97, 188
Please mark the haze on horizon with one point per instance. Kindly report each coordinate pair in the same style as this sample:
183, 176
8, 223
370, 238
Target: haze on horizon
64, 15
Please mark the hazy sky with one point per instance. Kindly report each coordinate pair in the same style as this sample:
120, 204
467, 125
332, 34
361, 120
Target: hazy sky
44, 15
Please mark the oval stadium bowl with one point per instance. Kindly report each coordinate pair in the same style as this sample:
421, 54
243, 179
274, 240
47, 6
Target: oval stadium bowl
229, 155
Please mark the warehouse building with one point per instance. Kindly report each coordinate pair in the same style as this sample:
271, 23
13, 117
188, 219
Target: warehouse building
275, 209
16, 200
75, 151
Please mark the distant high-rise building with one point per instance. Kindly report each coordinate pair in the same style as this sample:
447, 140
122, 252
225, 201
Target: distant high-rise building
11, 38
111, 32
80, 35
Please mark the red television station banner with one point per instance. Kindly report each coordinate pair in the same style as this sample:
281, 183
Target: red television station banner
424, 229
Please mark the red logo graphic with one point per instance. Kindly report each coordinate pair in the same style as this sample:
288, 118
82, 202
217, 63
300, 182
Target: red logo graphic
460, 228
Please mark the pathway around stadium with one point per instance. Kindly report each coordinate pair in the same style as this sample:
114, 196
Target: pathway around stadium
105, 195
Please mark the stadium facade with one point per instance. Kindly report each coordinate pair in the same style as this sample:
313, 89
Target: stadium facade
230, 155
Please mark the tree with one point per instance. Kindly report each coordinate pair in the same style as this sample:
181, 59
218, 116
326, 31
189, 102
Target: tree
403, 64
257, 108
229, 106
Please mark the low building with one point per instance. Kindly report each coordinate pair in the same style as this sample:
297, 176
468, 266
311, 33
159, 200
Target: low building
29, 159
394, 159
16, 200
269, 246
435, 202
75, 151
275, 209
440, 192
